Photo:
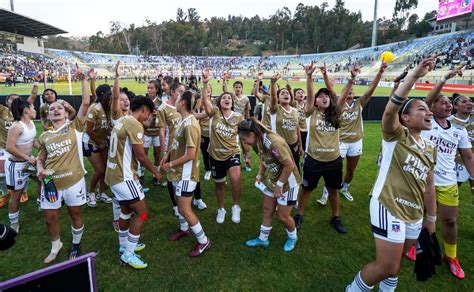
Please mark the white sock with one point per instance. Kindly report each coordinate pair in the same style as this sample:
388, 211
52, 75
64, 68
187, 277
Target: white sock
199, 233
358, 285
77, 234
183, 225
14, 217
292, 234
264, 232
388, 284
56, 246
345, 185
132, 241
123, 234
115, 209
325, 193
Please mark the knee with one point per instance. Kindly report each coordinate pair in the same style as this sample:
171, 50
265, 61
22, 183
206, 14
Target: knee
391, 270
51, 219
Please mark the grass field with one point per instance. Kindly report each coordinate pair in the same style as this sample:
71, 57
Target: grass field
140, 88
322, 261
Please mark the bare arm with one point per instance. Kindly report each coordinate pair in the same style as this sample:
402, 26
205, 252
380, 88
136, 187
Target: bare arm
273, 93
12, 137
365, 98
466, 155
206, 99
81, 115
328, 83
190, 154
341, 101
141, 156
34, 93
256, 88
40, 163
116, 89
288, 166
435, 91
430, 203
92, 75
309, 70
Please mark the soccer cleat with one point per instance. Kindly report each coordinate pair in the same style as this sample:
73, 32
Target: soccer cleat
115, 224
455, 267
139, 247
156, 182
337, 225
323, 201
133, 261
90, 199
200, 204
248, 168
16, 227
176, 211
298, 221
236, 213
146, 190
220, 215
52, 255
178, 234
345, 192
24, 197
290, 244
207, 175
104, 198
257, 242
75, 251
199, 248
411, 254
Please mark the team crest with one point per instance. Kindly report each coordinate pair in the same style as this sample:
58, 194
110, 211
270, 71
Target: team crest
395, 227
276, 152
90, 116
233, 122
140, 135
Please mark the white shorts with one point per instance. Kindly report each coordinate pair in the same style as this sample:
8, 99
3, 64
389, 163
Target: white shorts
73, 196
4, 155
151, 140
184, 188
389, 228
461, 173
288, 198
128, 192
350, 149
15, 178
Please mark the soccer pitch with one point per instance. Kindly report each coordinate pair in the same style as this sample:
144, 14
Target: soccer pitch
323, 260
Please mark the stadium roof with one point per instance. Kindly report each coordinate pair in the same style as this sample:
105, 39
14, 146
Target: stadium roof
23, 25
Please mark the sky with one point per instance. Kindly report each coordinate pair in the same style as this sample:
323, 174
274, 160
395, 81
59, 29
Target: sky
87, 17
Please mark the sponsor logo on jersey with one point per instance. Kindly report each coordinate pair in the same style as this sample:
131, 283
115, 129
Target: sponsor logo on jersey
416, 167
395, 227
58, 148
349, 116
324, 126
407, 203
446, 147
224, 131
289, 124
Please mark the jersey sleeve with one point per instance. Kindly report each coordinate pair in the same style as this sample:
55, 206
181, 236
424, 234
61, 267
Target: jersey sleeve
160, 117
134, 132
193, 136
464, 142
395, 135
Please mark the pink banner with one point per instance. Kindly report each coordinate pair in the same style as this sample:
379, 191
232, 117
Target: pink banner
452, 8
461, 88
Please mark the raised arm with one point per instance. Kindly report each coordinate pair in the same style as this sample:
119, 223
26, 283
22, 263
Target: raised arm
34, 93
365, 98
341, 101
225, 80
116, 89
256, 87
273, 93
92, 76
434, 92
205, 93
390, 116
328, 82
81, 114
309, 70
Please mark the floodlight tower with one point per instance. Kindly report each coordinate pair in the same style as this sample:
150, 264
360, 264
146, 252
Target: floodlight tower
12, 7
374, 26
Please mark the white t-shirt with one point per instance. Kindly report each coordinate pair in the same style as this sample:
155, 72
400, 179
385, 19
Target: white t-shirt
447, 142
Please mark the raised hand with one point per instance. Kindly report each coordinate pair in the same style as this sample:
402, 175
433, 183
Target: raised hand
275, 78
78, 73
225, 76
206, 76
309, 68
425, 66
451, 74
260, 76
323, 68
91, 74
355, 71
118, 69
383, 67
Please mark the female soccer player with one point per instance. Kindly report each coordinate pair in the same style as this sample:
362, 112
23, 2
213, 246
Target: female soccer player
351, 131
182, 166
280, 178
284, 119
404, 190
152, 132
300, 102
20, 141
95, 143
224, 149
60, 158
49, 96
449, 138
322, 146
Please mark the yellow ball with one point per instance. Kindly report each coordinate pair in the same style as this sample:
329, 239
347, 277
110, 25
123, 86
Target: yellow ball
387, 57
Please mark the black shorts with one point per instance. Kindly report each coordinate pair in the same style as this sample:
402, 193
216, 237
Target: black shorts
88, 149
313, 170
219, 168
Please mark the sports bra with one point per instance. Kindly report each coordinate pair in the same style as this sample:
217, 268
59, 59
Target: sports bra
28, 135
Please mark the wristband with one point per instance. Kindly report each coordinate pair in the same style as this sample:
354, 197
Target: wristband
443, 79
397, 99
279, 184
431, 218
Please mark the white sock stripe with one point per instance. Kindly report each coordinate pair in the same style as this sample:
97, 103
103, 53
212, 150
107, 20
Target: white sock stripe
77, 231
360, 283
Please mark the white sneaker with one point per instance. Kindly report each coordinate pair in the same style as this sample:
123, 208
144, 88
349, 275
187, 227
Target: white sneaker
104, 198
176, 211
90, 199
220, 215
345, 192
324, 198
207, 175
200, 204
54, 252
236, 213
16, 227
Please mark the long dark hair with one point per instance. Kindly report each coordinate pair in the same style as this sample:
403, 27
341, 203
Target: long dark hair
331, 116
18, 107
106, 103
252, 125
53, 91
189, 98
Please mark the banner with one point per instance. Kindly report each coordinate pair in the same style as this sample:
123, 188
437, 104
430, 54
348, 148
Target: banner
386, 84
461, 88
452, 8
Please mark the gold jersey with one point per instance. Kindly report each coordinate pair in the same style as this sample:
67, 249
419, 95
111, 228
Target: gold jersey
266, 111
285, 123
187, 135
115, 117
154, 130
96, 116
469, 125
302, 117
322, 142
122, 164
350, 121
404, 168
242, 104
63, 150
223, 135
204, 124
274, 152
6, 121
168, 116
